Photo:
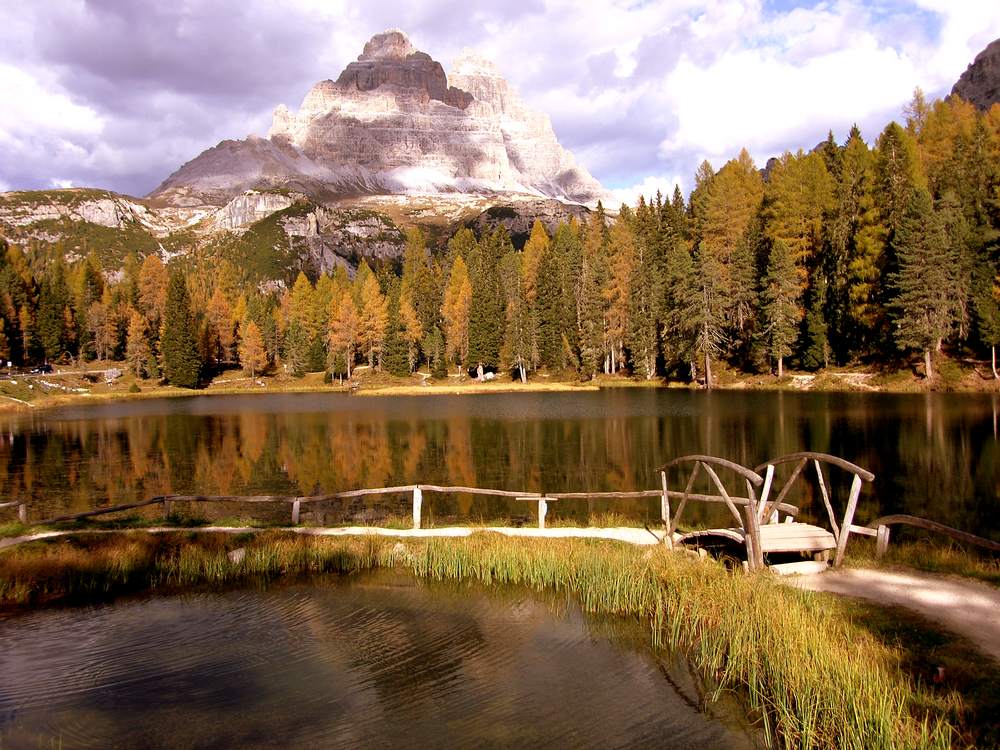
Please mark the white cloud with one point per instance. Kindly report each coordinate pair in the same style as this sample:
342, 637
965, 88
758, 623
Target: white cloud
647, 188
32, 105
58, 183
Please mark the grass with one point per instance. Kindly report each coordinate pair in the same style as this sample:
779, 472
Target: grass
933, 557
807, 668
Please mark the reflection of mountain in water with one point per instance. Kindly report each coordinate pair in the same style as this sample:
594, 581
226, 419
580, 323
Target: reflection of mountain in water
933, 455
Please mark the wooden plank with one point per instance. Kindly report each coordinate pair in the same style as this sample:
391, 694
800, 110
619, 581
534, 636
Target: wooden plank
765, 491
826, 499
852, 504
882, 541
806, 567
684, 498
102, 511
418, 501
722, 491
863, 530
477, 491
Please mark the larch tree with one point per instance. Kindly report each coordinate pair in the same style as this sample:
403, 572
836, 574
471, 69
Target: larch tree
219, 319
253, 355
152, 284
455, 313
373, 321
137, 351
343, 336
617, 292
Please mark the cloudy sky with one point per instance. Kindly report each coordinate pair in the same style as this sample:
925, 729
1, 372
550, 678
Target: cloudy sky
118, 94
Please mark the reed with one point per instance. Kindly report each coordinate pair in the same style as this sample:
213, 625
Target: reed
808, 670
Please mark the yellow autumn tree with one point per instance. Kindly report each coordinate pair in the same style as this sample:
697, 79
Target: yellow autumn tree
455, 312
342, 337
373, 319
253, 355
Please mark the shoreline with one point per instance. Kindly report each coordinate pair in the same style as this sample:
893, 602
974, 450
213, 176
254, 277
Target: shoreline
226, 385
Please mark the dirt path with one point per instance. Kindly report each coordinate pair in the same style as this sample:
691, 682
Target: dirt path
966, 607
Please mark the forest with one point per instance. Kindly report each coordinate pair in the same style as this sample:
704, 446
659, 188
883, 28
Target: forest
882, 255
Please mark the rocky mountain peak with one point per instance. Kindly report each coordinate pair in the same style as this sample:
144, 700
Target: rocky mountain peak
393, 122
391, 43
980, 83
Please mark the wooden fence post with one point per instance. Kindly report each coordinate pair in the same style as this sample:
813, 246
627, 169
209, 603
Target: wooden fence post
295, 511
543, 509
22, 513
167, 509
882, 541
418, 499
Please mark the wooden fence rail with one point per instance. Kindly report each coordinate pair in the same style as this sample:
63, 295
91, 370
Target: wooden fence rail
882, 532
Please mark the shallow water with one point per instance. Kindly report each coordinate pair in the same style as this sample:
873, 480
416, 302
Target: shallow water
378, 661
934, 455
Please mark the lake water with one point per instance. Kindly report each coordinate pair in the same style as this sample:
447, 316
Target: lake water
376, 661
934, 455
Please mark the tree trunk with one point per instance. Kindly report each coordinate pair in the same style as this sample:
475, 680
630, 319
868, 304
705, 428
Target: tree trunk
708, 371
993, 355
524, 376
927, 364
781, 367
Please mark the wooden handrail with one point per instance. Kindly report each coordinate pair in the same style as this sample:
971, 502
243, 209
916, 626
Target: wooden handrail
825, 457
743, 471
940, 528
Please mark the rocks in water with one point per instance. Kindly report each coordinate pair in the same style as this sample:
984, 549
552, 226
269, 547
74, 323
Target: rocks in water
237, 555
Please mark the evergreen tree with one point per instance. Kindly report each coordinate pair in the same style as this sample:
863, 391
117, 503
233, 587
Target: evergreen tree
486, 312
780, 308
181, 364
517, 344
53, 301
924, 303
986, 308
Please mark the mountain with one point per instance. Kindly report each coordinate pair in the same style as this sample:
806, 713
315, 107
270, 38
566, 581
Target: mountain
394, 123
393, 143
980, 83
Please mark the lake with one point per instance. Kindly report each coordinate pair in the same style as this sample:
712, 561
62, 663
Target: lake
378, 660
934, 455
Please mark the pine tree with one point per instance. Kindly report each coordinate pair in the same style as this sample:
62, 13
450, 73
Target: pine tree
394, 357
924, 302
780, 307
517, 344
181, 365
50, 324
986, 309
253, 355
486, 312
617, 292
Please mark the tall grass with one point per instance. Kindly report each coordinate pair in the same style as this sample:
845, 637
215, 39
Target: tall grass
811, 675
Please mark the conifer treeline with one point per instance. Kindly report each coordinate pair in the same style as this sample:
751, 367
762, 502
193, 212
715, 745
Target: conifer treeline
847, 253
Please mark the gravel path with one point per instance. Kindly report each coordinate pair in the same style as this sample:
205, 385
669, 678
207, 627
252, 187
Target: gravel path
967, 607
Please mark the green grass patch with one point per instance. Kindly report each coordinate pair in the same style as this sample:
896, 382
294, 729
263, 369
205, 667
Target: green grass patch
806, 666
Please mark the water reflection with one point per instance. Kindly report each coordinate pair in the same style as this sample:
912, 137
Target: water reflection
933, 455
379, 662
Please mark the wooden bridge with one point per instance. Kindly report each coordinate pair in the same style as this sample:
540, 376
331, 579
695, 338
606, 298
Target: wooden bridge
764, 531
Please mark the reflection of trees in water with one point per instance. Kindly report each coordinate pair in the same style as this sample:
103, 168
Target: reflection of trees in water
936, 456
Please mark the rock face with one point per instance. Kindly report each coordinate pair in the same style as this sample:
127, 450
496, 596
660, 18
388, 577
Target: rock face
393, 122
980, 83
